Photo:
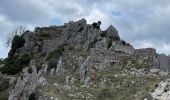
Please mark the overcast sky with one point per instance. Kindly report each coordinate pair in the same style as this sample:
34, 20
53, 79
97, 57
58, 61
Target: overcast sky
143, 23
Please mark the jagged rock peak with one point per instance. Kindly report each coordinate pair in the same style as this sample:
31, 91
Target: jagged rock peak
112, 33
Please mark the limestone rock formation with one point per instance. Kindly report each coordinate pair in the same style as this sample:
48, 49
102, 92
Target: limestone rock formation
27, 84
79, 61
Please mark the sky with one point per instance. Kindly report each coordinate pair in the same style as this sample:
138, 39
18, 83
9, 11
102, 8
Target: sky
142, 23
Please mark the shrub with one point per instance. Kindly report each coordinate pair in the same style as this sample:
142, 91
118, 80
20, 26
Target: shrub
103, 34
38, 67
1, 61
32, 97
30, 70
109, 44
47, 35
17, 42
81, 29
57, 52
95, 25
105, 95
15, 64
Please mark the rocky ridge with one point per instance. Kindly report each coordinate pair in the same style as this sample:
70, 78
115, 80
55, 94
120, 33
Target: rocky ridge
79, 61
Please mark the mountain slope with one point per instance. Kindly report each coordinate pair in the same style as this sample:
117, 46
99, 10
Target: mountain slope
79, 61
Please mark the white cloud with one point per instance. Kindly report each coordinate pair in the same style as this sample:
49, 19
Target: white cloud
144, 23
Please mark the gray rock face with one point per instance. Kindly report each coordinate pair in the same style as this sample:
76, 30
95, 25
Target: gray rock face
82, 67
112, 33
7, 82
26, 85
123, 47
161, 61
103, 44
86, 82
92, 37
146, 52
60, 68
83, 64
30, 41
162, 92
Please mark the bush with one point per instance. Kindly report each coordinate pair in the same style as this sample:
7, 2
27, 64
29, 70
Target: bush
38, 67
103, 34
17, 42
15, 64
32, 97
1, 61
109, 44
95, 25
57, 52
30, 70
81, 29
47, 35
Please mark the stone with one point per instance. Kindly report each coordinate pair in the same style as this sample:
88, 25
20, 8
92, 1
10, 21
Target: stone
102, 84
103, 44
68, 80
29, 41
112, 33
42, 81
60, 68
162, 92
87, 82
72, 80
7, 82
82, 66
145, 52
161, 61
122, 46
26, 85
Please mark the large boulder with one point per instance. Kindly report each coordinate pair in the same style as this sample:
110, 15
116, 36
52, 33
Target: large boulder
112, 33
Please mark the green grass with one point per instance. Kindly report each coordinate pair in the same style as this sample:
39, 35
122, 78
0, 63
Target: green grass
4, 95
59, 79
126, 90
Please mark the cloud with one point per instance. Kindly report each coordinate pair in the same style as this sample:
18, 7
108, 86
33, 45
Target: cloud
29, 11
143, 23
3, 50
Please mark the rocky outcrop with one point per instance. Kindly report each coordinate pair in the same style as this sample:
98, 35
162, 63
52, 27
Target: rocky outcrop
27, 84
146, 52
7, 82
103, 44
123, 47
162, 91
112, 34
80, 61
162, 61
